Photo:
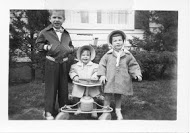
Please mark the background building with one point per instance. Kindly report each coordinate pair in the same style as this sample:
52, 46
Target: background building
93, 26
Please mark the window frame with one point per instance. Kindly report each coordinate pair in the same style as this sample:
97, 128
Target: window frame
93, 24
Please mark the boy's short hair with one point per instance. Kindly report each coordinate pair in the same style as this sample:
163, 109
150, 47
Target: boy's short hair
51, 12
115, 35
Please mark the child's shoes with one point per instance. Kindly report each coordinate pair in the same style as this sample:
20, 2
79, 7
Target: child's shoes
94, 115
105, 116
48, 116
77, 112
118, 114
62, 116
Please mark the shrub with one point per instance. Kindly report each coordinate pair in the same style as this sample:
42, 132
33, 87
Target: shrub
155, 64
100, 51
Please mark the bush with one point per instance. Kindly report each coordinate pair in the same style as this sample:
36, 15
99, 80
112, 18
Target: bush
100, 51
155, 64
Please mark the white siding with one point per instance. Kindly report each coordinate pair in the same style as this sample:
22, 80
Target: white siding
99, 19
99, 24
83, 37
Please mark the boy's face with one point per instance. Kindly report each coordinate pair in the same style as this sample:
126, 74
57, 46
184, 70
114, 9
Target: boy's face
117, 43
85, 56
57, 19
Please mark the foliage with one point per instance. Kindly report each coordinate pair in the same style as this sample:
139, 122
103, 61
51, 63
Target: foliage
155, 64
142, 19
168, 30
160, 43
161, 38
100, 51
24, 28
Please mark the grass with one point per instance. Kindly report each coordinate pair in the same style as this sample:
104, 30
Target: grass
152, 100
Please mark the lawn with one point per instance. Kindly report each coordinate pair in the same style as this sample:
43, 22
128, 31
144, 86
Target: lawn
152, 100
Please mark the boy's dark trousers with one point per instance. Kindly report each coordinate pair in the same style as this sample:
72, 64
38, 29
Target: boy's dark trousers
56, 84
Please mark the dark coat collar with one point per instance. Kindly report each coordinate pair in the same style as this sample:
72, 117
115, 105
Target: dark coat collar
50, 27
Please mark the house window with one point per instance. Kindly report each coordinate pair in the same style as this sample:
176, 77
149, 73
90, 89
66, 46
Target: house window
112, 17
84, 17
99, 19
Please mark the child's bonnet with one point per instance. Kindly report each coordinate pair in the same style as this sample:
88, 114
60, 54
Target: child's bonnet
109, 38
90, 48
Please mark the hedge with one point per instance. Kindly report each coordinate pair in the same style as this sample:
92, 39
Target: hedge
153, 64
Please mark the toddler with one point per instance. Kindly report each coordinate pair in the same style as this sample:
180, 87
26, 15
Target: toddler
116, 68
84, 69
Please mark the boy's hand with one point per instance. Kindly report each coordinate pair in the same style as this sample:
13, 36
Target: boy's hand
139, 78
47, 47
103, 79
76, 79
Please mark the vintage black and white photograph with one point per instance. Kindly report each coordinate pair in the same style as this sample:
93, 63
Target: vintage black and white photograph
95, 65
39, 71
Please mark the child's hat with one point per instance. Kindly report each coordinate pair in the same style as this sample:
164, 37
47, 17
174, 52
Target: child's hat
115, 32
90, 48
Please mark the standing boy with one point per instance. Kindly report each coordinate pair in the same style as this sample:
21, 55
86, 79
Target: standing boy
55, 41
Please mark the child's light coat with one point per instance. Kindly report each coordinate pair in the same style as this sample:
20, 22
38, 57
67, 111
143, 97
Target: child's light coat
119, 78
84, 72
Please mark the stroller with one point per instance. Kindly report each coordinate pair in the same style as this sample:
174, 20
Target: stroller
85, 104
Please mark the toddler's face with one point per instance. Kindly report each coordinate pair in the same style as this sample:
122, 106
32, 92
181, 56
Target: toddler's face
117, 43
57, 19
85, 56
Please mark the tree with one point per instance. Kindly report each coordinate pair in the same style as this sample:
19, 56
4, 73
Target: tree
24, 28
162, 40
168, 31
165, 38
142, 21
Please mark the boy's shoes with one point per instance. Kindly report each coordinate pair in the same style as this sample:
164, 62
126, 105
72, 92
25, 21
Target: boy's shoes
94, 115
118, 114
48, 116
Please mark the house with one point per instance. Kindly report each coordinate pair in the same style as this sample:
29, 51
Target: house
93, 26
